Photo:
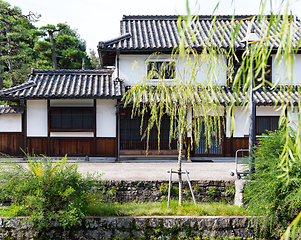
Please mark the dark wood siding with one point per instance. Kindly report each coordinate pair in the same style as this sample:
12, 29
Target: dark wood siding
105, 147
11, 144
37, 145
73, 147
235, 143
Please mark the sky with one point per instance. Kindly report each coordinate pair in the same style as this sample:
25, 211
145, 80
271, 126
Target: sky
98, 20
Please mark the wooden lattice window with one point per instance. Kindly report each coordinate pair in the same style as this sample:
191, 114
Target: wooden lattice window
71, 119
161, 70
266, 123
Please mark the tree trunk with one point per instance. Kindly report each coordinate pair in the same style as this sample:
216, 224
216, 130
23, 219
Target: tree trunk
9, 61
53, 54
180, 169
1, 69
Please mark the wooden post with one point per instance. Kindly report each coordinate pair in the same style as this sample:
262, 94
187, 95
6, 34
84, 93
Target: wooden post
95, 127
48, 130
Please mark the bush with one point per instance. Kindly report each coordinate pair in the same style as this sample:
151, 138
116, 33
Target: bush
47, 191
269, 195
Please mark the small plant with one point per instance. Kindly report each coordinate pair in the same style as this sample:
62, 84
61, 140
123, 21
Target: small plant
111, 193
230, 191
47, 191
187, 191
164, 189
212, 192
196, 188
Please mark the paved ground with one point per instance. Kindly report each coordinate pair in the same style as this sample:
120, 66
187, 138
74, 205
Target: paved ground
155, 169
158, 171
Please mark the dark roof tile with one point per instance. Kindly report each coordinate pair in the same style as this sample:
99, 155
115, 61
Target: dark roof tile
67, 84
160, 32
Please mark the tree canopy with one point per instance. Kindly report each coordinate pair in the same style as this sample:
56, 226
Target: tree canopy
23, 46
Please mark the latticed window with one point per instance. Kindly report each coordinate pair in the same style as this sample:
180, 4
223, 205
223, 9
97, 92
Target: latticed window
161, 70
266, 123
130, 137
71, 119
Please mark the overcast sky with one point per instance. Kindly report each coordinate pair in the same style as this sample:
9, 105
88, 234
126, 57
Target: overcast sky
98, 20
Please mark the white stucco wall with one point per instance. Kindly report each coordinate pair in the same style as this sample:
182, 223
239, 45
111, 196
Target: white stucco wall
11, 123
37, 118
280, 71
241, 127
133, 69
106, 118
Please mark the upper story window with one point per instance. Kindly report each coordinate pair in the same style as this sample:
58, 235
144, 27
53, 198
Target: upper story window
161, 70
71, 119
258, 75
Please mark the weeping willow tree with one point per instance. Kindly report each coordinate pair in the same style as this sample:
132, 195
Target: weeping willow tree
194, 106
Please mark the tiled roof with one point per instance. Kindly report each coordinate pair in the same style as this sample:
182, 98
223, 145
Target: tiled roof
67, 84
262, 96
159, 33
6, 109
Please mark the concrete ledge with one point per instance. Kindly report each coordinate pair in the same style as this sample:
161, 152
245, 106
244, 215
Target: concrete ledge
149, 227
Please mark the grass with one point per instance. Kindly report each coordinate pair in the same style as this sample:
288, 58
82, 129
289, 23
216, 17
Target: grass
160, 208
156, 208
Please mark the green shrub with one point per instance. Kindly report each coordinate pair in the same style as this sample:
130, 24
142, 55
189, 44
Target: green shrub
164, 189
270, 196
47, 190
230, 190
212, 191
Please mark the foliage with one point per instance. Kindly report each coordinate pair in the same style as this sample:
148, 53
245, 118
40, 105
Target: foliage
47, 190
69, 48
159, 208
269, 195
17, 38
212, 191
94, 59
164, 189
230, 190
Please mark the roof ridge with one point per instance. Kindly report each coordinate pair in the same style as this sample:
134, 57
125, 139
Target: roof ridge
175, 17
71, 71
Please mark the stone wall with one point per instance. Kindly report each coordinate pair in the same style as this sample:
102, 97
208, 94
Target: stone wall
204, 191
169, 227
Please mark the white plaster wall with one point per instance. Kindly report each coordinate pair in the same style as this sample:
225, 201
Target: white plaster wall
37, 118
106, 118
241, 127
11, 123
133, 69
71, 102
280, 71
72, 134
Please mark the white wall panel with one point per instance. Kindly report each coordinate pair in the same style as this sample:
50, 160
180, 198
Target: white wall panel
71, 134
37, 118
106, 118
280, 74
11, 123
133, 69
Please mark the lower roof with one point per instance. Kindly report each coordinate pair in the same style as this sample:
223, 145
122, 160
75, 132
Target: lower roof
51, 84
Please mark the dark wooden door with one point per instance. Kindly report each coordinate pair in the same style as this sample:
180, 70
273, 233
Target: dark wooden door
216, 147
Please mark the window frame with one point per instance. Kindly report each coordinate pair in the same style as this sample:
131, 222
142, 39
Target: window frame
90, 108
161, 61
